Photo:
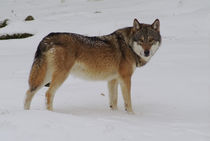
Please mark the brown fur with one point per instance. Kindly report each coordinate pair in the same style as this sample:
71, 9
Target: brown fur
109, 58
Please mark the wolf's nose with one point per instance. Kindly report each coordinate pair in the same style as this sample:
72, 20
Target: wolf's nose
146, 53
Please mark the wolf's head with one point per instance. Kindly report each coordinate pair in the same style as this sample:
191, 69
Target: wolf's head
145, 39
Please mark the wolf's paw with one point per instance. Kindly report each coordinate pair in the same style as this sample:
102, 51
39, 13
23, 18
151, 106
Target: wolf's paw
129, 111
113, 107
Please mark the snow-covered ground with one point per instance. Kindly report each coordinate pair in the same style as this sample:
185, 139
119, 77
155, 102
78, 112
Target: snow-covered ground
171, 94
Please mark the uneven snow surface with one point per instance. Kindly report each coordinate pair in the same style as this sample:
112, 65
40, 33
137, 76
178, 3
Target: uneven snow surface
170, 95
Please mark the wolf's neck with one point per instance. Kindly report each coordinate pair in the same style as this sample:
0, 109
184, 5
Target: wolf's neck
125, 32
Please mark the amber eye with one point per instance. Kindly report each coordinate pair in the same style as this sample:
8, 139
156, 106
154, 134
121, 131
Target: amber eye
141, 40
151, 40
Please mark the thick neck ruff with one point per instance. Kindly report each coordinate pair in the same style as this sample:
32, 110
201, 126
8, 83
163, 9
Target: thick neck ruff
136, 56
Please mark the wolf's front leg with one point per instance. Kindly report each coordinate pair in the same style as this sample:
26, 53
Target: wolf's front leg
125, 84
112, 87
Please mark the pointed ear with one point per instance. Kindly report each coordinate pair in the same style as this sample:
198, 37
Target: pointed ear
156, 25
136, 24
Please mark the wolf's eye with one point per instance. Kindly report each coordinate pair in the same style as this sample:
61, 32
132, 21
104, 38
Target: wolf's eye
141, 40
151, 40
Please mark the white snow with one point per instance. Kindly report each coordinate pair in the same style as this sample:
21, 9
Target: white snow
170, 95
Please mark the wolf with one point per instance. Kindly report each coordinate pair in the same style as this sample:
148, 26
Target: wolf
112, 58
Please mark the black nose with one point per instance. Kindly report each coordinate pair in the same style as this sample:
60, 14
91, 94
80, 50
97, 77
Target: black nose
146, 53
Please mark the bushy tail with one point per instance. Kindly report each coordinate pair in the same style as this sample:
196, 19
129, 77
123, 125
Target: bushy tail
38, 73
36, 77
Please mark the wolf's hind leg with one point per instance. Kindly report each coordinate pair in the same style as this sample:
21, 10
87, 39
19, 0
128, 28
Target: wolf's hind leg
112, 86
62, 62
57, 79
29, 96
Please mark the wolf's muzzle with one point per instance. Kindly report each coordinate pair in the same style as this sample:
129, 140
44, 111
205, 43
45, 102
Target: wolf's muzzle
146, 53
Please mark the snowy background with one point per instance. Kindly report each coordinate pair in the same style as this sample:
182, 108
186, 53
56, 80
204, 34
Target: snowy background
170, 95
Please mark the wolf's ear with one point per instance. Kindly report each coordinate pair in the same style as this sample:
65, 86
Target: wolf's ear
156, 25
136, 24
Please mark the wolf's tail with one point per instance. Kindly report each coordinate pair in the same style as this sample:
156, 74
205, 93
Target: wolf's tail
39, 67
38, 72
37, 76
